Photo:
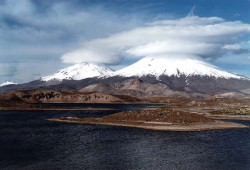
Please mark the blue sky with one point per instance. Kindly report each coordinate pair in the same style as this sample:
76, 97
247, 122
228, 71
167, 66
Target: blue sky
38, 37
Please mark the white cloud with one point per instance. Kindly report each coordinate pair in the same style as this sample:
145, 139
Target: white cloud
232, 46
61, 26
192, 36
39, 32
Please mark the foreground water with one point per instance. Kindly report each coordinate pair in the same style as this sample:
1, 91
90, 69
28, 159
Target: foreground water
28, 141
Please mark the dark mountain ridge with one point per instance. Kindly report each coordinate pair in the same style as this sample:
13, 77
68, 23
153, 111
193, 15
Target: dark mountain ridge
182, 85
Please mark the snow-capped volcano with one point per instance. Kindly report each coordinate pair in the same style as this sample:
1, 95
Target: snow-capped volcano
172, 67
7, 83
147, 77
146, 66
78, 72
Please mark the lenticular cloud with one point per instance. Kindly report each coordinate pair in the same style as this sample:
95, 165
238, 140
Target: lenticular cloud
192, 36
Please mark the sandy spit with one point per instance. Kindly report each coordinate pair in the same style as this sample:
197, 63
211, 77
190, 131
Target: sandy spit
162, 126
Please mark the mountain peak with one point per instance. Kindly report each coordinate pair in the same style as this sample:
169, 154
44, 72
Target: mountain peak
78, 72
147, 66
7, 83
173, 67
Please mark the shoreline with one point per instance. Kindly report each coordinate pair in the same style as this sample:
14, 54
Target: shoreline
229, 117
51, 109
161, 126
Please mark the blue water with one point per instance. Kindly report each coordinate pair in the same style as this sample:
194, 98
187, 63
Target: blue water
28, 141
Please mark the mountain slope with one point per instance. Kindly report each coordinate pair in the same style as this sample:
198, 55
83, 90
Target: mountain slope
172, 67
166, 77
78, 72
147, 77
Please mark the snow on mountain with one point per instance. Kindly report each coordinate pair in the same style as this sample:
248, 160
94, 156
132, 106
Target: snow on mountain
78, 72
162, 66
7, 83
146, 66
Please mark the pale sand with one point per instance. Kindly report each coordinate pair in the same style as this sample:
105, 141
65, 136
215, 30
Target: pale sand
232, 117
162, 126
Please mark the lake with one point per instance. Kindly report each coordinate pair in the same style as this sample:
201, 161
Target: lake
29, 141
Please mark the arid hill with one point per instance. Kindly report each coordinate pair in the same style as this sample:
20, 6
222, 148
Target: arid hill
159, 115
53, 96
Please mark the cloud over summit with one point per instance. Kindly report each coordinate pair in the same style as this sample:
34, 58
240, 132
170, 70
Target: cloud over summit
206, 38
38, 37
